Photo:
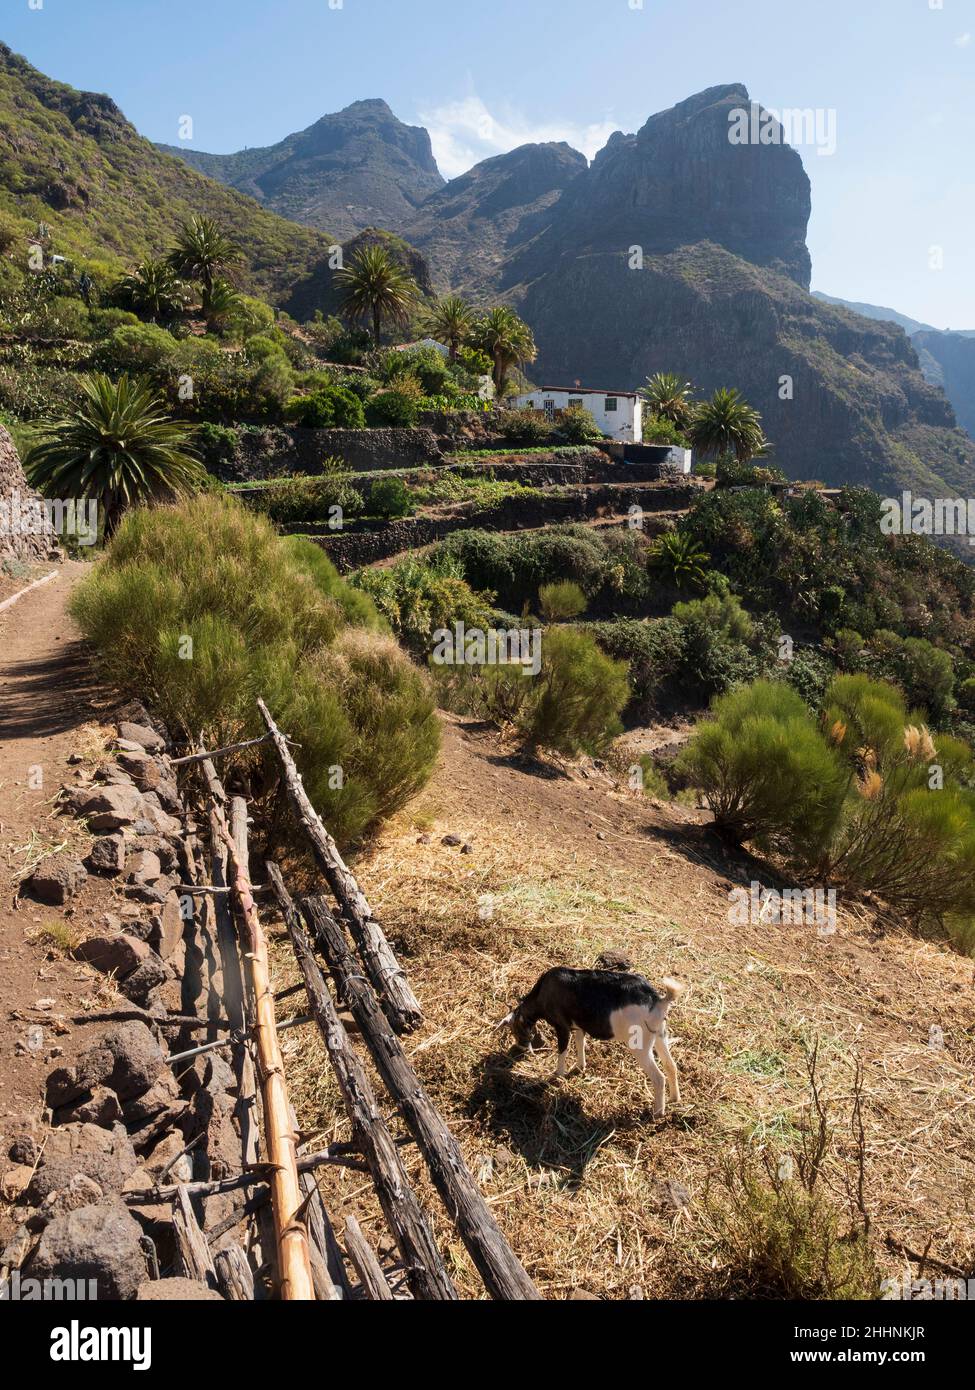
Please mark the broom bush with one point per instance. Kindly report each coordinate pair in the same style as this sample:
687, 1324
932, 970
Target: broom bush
199, 609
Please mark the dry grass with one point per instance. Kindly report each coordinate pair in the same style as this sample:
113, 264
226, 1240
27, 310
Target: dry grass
588, 1188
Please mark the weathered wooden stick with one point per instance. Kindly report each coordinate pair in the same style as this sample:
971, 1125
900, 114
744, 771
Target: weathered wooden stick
192, 1249
235, 1278
292, 1238
219, 1186
378, 957
327, 1265
425, 1270
503, 1275
218, 752
367, 1266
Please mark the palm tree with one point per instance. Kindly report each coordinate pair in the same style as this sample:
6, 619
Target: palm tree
201, 253
153, 290
727, 424
450, 320
376, 286
669, 396
507, 340
223, 300
117, 447
681, 559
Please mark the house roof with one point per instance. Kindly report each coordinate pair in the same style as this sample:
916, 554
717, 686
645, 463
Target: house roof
582, 391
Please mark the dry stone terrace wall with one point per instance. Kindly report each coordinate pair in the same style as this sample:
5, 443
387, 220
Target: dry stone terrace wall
121, 1116
369, 542
278, 452
14, 495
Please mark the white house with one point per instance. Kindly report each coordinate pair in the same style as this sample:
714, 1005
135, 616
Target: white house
619, 414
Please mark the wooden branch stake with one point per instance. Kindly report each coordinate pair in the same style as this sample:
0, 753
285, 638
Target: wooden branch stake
503, 1275
367, 1266
235, 1278
425, 1270
191, 1244
292, 1238
378, 957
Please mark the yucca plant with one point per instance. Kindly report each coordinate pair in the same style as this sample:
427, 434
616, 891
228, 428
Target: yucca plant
681, 559
202, 251
153, 290
117, 447
375, 286
727, 424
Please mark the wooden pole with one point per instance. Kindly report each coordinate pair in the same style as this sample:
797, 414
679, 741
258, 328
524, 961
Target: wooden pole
503, 1275
425, 1270
292, 1238
367, 1266
378, 957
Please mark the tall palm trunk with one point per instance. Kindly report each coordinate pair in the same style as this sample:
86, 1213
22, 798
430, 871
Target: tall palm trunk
376, 323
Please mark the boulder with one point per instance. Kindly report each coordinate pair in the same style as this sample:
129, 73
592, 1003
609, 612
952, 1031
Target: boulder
105, 1156
112, 807
107, 855
161, 1096
143, 867
139, 986
113, 955
65, 1085
99, 1242
138, 1059
100, 1108
142, 735
56, 880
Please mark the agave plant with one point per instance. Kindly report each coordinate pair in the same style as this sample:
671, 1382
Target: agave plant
727, 424
374, 285
117, 447
153, 290
669, 397
681, 559
201, 252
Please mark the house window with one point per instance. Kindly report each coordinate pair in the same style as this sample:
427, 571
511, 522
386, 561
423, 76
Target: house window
611, 403
549, 407
575, 401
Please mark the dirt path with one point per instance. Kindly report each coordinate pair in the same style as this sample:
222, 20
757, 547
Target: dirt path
48, 705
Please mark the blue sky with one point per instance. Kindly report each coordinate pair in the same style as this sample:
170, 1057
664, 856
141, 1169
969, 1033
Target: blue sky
485, 75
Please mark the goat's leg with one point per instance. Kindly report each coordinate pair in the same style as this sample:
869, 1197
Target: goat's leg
563, 1035
646, 1060
670, 1071
579, 1038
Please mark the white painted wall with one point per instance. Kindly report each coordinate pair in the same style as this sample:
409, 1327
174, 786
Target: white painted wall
625, 422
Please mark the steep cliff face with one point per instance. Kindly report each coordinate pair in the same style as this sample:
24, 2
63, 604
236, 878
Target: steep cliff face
357, 168
474, 228
681, 180
948, 359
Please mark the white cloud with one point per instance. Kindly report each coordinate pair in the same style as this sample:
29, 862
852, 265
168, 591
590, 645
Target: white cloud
963, 41
465, 132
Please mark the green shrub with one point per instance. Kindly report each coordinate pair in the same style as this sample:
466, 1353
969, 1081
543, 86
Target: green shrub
766, 771
393, 409
140, 347
330, 407
576, 425
965, 695
572, 706
289, 501
199, 609
525, 427
390, 497
561, 600
418, 597
654, 651
659, 430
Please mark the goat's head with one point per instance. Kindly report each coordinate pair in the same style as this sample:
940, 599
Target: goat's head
525, 1031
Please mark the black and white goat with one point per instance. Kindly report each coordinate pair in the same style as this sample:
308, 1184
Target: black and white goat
602, 1004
